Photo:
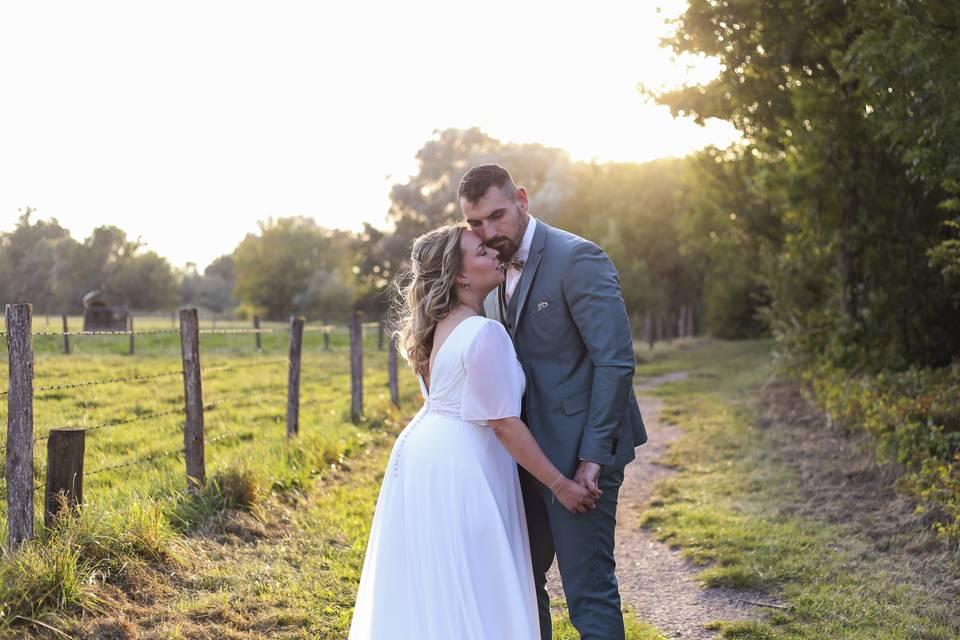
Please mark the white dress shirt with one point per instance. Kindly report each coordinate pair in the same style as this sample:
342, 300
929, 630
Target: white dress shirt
513, 275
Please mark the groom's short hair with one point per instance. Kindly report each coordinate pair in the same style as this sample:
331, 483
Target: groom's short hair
478, 179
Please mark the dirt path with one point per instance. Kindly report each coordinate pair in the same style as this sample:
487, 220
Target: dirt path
655, 581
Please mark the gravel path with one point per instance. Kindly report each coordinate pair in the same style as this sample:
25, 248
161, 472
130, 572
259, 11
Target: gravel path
655, 581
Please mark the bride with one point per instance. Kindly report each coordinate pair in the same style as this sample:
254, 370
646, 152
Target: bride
448, 555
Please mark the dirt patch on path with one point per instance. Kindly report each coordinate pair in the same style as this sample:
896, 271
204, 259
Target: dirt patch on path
655, 580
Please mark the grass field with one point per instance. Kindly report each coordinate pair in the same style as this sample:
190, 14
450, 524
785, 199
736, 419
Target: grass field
249, 413
146, 561
247, 449
274, 546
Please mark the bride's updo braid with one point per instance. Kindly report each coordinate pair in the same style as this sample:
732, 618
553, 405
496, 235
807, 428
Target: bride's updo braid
428, 295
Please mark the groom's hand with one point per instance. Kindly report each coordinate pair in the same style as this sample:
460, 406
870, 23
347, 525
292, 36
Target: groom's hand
587, 475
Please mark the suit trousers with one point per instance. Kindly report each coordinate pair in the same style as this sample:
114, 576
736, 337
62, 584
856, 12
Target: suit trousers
583, 545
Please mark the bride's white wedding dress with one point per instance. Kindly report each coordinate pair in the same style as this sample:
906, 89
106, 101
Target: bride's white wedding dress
448, 556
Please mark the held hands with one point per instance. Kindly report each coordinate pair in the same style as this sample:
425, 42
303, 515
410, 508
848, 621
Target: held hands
571, 495
587, 476
581, 493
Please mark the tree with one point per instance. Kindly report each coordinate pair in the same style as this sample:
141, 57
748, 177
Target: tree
144, 281
731, 222
275, 267
632, 212
40, 263
851, 280
907, 56
27, 257
212, 290
429, 199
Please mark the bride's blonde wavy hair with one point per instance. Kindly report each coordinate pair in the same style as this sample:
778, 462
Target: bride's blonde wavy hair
428, 293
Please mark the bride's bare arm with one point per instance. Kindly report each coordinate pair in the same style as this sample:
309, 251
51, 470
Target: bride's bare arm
519, 442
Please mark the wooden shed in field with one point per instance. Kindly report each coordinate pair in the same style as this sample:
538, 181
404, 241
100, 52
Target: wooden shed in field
100, 315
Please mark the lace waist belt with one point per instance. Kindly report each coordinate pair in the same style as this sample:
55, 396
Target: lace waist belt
447, 412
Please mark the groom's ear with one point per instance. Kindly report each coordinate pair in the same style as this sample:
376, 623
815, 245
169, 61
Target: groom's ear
522, 201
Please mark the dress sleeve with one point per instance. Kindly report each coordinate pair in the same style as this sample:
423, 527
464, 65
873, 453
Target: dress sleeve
494, 383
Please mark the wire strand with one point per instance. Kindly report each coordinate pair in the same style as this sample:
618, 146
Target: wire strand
231, 367
73, 385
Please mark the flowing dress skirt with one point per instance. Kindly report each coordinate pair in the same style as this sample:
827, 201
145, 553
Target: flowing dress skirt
448, 556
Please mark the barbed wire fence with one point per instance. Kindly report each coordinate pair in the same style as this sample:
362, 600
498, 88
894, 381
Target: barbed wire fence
63, 485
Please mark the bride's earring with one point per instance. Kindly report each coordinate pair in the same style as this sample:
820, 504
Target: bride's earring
464, 284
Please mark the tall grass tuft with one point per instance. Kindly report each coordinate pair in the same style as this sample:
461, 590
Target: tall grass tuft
61, 570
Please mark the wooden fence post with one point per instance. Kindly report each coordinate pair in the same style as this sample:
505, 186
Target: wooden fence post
356, 366
19, 466
380, 336
293, 376
256, 326
64, 472
326, 337
66, 336
690, 329
193, 400
392, 372
130, 329
682, 322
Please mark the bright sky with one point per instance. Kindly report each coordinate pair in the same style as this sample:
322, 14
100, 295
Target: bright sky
186, 122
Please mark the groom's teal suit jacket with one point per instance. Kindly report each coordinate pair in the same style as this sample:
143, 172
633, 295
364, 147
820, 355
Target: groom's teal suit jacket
572, 336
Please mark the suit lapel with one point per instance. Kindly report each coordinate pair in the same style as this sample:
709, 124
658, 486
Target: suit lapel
519, 297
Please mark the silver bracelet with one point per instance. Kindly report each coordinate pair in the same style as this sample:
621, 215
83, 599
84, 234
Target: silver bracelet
556, 485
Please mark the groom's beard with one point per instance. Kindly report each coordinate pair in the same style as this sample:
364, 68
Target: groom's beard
504, 246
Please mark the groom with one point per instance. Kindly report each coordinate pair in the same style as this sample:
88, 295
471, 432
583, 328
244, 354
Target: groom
561, 303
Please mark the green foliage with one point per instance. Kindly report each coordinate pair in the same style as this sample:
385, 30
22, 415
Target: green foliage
907, 58
632, 211
212, 290
852, 137
946, 255
429, 198
731, 221
294, 267
40, 263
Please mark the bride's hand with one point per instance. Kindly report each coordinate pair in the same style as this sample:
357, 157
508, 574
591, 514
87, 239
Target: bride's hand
575, 498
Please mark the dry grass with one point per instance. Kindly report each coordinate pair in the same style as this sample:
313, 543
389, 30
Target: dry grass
842, 483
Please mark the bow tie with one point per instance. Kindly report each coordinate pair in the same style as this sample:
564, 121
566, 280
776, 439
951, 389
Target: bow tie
516, 263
